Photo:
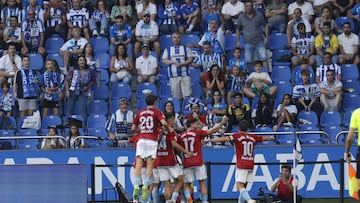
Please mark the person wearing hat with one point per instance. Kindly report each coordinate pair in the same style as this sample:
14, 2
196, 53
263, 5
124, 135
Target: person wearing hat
146, 65
119, 124
147, 32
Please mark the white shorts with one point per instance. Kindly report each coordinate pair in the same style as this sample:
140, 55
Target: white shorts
155, 177
243, 175
190, 173
181, 87
169, 172
146, 148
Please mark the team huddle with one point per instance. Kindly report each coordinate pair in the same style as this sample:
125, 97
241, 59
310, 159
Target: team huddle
157, 146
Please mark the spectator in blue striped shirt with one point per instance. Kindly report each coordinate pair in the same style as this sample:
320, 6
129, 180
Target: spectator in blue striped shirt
327, 65
55, 18
307, 95
78, 16
10, 10
100, 16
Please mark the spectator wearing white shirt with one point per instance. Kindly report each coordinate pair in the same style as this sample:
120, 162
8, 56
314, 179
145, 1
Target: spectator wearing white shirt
306, 7
348, 44
231, 11
145, 6
331, 92
146, 66
9, 64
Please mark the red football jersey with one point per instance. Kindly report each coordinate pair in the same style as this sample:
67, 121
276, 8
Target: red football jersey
165, 152
148, 121
244, 149
283, 189
191, 141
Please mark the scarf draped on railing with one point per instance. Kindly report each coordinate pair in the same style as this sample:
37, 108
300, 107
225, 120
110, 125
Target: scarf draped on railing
28, 83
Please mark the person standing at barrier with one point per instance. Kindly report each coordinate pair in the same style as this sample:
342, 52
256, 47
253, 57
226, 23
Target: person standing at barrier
244, 149
284, 184
146, 123
354, 126
191, 140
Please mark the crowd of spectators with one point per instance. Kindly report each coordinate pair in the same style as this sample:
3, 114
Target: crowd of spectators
317, 41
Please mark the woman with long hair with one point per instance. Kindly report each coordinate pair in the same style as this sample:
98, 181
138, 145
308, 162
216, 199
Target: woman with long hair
121, 65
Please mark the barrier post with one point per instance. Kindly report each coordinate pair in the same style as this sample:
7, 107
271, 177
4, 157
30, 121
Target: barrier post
93, 183
208, 169
342, 180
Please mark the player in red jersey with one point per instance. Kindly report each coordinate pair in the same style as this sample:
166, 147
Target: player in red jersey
167, 164
191, 140
146, 123
244, 149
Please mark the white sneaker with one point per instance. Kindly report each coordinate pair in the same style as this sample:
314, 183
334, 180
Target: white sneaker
275, 128
289, 124
251, 201
102, 33
95, 33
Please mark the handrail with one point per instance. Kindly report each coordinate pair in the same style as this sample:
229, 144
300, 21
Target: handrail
341, 133
31, 137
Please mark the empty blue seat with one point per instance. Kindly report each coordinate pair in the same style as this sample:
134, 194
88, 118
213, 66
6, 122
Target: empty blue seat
285, 138
28, 144
53, 44
52, 120
330, 118
165, 41
97, 143
36, 61
99, 107
346, 118
342, 19
190, 39
98, 132
230, 42
120, 90
194, 74
104, 76
351, 86
284, 87
102, 92
351, 101
277, 40
281, 73
349, 71
146, 88
8, 133
307, 118
96, 121
310, 138
104, 59
100, 44
196, 89
164, 90
332, 131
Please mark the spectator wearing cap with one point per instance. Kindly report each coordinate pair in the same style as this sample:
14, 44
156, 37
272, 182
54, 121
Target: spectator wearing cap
147, 32
119, 125
145, 6
55, 20
120, 32
146, 65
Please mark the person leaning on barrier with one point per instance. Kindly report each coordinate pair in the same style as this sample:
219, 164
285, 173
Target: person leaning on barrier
354, 125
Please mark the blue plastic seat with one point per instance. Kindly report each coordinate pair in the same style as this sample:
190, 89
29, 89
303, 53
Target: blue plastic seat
351, 86
190, 39
284, 87
36, 61
230, 42
346, 118
281, 73
114, 105
96, 121
104, 76
98, 132
102, 92
175, 102
28, 144
310, 138
196, 89
285, 138
349, 71
57, 57
141, 104
164, 90
100, 44
332, 131
330, 118
97, 107
307, 118
52, 120
278, 55
277, 41
8, 133
194, 74
342, 19
351, 101
53, 44
120, 90
104, 59
146, 88
97, 143
165, 41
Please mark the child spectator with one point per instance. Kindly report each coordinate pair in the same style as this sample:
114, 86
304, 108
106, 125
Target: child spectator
235, 83
6, 100
263, 113
286, 112
238, 61
259, 82
52, 143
